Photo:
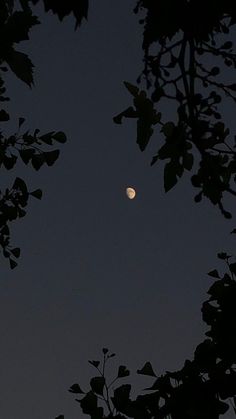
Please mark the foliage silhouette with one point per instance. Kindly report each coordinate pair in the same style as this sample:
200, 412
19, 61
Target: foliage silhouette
186, 49
16, 21
205, 386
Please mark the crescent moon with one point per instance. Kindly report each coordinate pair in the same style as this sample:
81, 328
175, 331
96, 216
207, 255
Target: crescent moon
130, 192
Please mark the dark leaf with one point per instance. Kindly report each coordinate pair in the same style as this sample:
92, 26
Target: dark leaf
60, 137
75, 388
168, 129
227, 45
9, 162
94, 363
21, 121
233, 87
97, 385
89, 403
112, 355
223, 255
214, 274
26, 154
37, 193
16, 252
170, 177
13, 263
232, 268
215, 71
134, 90
121, 398
123, 371
38, 160
128, 113
18, 26
147, 370
21, 66
105, 351
6, 254
21, 212
51, 157
188, 161
4, 116
21, 185
47, 138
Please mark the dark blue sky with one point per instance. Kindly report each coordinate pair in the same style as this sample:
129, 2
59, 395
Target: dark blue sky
97, 269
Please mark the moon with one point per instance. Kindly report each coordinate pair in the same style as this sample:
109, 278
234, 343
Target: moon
130, 192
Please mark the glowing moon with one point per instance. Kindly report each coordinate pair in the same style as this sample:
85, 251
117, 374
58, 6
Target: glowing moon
130, 192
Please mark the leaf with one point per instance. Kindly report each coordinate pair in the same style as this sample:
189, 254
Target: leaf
21, 121
121, 397
26, 154
47, 138
134, 90
232, 268
144, 132
227, 45
223, 255
13, 263
4, 116
170, 177
147, 370
38, 160
6, 254
37, 193
21, 212
104, 350
89, 403
9, 162
214, 274
168, 129
60, 137
21, 66
188, 161
112, 355
51, 157
97, 385
128, 113
94, 363
19, 24
75, 388
123, 371
16, 252
21, 185
215, 71
233, 87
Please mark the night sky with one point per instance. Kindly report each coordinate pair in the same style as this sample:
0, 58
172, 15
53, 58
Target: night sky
97, 269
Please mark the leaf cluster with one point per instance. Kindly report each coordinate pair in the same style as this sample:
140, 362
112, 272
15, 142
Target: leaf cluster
34, 149
198, 142
202, 388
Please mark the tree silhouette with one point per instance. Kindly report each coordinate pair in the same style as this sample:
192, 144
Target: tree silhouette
179, 41
35, 149
203, 388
